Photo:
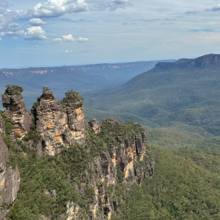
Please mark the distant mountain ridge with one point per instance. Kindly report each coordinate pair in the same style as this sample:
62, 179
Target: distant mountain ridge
82, 68
82, 78
185, 91
200, 62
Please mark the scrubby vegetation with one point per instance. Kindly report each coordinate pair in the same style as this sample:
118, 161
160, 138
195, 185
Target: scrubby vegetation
112, 129
71, 97
6, 137
18, 89
32, 135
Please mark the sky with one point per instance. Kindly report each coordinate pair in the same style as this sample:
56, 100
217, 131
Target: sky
73, 32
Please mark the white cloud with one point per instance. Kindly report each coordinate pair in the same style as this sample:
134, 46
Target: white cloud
57, 40
68, 51
14, 27
37, 22
82, 40
8, 17
51, 8
0, 39
12, 33
68, 38
35, 33
3, 4
215, 8
54, 8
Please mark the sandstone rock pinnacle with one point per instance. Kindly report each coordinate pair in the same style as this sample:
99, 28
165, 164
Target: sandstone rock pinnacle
16, 110
60, 124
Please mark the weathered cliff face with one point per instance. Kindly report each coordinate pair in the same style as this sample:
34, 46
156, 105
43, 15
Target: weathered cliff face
9, 181
123, 165
74, 109
3, 155
59, 124
2, 125
96, 126
16, 110
112, 158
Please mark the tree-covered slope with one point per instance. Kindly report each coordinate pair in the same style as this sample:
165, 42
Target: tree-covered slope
184, 91
180, 189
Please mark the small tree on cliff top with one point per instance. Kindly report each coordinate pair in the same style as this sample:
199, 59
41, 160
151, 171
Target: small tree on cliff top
71, 97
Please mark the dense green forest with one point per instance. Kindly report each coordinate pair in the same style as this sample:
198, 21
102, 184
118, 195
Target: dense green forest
186, 185
185, 91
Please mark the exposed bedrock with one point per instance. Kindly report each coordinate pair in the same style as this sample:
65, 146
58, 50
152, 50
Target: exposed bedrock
9, 181
123, 163
16, 110
60, 124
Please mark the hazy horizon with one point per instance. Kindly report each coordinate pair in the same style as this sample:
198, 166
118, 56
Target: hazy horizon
84, 64
77, 32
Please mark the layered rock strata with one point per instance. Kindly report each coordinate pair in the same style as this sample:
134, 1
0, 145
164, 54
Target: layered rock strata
16, 110
9, 181
60, 124
124, 163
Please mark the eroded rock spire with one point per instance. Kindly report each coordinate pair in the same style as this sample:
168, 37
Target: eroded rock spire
60, 124
16, 110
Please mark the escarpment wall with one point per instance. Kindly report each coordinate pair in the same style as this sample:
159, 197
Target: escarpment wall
123, 165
